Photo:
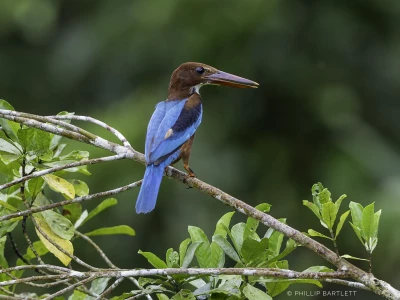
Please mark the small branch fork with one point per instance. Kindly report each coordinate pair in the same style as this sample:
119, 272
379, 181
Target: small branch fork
55, 125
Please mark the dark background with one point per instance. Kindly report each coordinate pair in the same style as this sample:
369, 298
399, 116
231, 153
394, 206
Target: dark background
326, 110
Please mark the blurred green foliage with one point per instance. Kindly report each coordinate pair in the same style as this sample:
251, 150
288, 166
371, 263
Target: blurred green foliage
326, 108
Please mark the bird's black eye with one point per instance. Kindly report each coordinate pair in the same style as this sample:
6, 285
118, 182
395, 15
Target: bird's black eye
200, 70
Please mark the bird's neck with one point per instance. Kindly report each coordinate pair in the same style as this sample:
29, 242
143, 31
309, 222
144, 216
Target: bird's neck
181, 93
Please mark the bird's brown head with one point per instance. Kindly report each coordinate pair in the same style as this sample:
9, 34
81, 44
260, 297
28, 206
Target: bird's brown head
189, 77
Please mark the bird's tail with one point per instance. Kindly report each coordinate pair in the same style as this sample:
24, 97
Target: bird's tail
147, 198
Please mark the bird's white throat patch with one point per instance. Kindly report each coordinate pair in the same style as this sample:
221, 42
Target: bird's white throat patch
196, 88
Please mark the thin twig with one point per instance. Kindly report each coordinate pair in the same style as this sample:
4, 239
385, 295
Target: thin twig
59, 168
50, 240
33, 210
110, 288
123, 140
69, 288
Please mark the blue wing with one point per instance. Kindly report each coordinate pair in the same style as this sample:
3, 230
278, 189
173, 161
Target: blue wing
170, 126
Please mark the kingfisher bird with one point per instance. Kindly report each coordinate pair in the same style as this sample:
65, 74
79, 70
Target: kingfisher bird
171, 129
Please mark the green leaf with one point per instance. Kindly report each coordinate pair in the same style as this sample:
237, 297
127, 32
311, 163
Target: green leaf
275, 288
290, 246
80, 187
252, 224
40, 250
328, 213
59, 224
353, 257
184, 295
10, 127
34, 140
172, 258
41, 200
357, 230
203, 253
367, 222
253, 293
356, 213
8, 147
188, 256
7, 205
78, 295
318, 269
99, 208
162, 297
339, 202
98, 286
35, 186
223, 224
217, 259
154, 260
59, 184
62, 243
182, 250
325, 196
227, 288
313, 208
312, 232
72, 212
275, 243
120, 229
237, 233
226, 247
342, 219
254, 251
377, 216
315, 191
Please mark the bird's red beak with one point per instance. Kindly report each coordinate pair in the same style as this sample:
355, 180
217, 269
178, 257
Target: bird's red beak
223, 78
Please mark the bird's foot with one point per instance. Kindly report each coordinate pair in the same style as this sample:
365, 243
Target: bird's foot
190, 172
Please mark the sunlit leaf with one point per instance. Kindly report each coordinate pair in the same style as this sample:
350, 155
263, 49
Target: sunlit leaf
62, 243
328, 214
60, 185
59, 224
81, 188
342, 219
356, 213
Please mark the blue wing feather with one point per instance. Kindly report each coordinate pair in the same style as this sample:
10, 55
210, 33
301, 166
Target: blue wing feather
163, 119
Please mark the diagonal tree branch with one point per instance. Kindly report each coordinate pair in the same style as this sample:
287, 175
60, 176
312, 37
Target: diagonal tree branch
377, 286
